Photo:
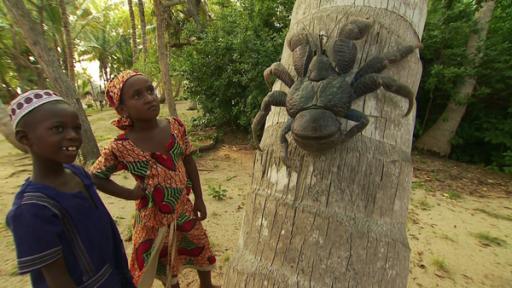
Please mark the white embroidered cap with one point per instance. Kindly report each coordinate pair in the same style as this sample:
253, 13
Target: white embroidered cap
28, 101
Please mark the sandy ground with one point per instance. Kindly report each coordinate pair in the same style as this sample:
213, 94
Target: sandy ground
460, 220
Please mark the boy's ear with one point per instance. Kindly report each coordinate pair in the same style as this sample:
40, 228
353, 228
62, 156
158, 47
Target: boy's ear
22, 137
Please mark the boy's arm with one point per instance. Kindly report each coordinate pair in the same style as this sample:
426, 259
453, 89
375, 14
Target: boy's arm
56, 274
112, 188
193, 176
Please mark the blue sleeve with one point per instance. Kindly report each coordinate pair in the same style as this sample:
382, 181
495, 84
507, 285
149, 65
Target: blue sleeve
37, 231
120, 256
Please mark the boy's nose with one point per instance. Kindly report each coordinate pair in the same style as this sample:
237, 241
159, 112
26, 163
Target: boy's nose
72, 134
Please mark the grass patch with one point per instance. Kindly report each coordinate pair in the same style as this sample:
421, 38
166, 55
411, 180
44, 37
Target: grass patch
495, 215
440, 265
217, 192
420, 185
487, 239
453, 195
423, 204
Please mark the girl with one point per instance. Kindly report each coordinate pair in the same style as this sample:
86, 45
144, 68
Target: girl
63, 233
167, 232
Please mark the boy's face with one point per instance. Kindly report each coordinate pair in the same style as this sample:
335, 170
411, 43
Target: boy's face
139, 99
52, 132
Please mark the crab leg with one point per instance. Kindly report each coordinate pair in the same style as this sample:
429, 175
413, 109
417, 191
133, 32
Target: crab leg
274, 98
377, 64
372, 82
356, 116
279, 71
284, 142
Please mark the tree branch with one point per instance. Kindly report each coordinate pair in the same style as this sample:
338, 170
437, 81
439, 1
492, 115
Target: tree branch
170, 3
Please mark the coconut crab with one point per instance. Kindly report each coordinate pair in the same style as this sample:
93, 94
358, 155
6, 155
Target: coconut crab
323, 90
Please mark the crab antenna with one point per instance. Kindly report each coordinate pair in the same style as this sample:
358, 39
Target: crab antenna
320, 38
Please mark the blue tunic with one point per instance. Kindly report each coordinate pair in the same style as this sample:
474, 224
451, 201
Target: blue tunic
48, 224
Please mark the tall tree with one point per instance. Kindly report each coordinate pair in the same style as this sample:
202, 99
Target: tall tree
438, 138
134, 31
6, 129
142, 19
50, 64
337, 219
69, 42
162, 41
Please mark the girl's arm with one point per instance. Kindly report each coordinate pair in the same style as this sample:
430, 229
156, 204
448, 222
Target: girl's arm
56, 274
112, 188
193, 176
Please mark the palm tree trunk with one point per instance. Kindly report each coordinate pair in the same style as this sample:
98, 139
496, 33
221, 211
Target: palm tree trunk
6, 129
66, 26
438, 138
50, 64
134, 31
163, 55
337, 219
142, 19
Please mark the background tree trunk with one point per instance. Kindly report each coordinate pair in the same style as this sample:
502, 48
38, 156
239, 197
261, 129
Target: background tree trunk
66, 26
142, 19
50, 64
163, 54
337, 219
134, 31
438, 138
6, 129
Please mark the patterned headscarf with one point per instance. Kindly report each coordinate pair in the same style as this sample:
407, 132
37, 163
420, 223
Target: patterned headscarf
113, 95
28, 101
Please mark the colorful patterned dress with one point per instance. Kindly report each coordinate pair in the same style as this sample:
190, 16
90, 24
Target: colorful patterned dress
166, 201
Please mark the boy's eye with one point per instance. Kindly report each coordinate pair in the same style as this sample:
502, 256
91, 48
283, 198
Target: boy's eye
78, 129
58, 129
150, 90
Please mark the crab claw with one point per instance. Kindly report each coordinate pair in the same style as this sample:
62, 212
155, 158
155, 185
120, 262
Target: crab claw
278, 70
356, 29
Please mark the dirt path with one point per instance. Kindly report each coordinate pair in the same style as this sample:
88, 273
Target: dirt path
460, 220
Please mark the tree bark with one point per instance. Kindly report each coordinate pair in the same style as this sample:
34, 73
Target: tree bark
134, 31
163, 55
142, 19
50, 64
337, 219
438, 138
6, 129
66, 26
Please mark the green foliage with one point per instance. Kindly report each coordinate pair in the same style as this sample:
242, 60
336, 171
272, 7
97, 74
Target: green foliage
453, 195
217, 192
485, 133
224, 70
488, 240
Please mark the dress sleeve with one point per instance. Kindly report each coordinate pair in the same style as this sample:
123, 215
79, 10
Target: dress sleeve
107, 164
37, 232
187, 146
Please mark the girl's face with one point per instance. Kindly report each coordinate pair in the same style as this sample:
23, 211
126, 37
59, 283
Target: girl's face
52, 132
139, 100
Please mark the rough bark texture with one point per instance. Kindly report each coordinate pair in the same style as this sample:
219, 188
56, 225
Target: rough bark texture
142, 19
6, 129
337, 219
50, 64
438, 138
163, 55
134, 31
66, 26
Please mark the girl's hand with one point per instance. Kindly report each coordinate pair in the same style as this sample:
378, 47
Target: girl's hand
138, 191
200, 209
